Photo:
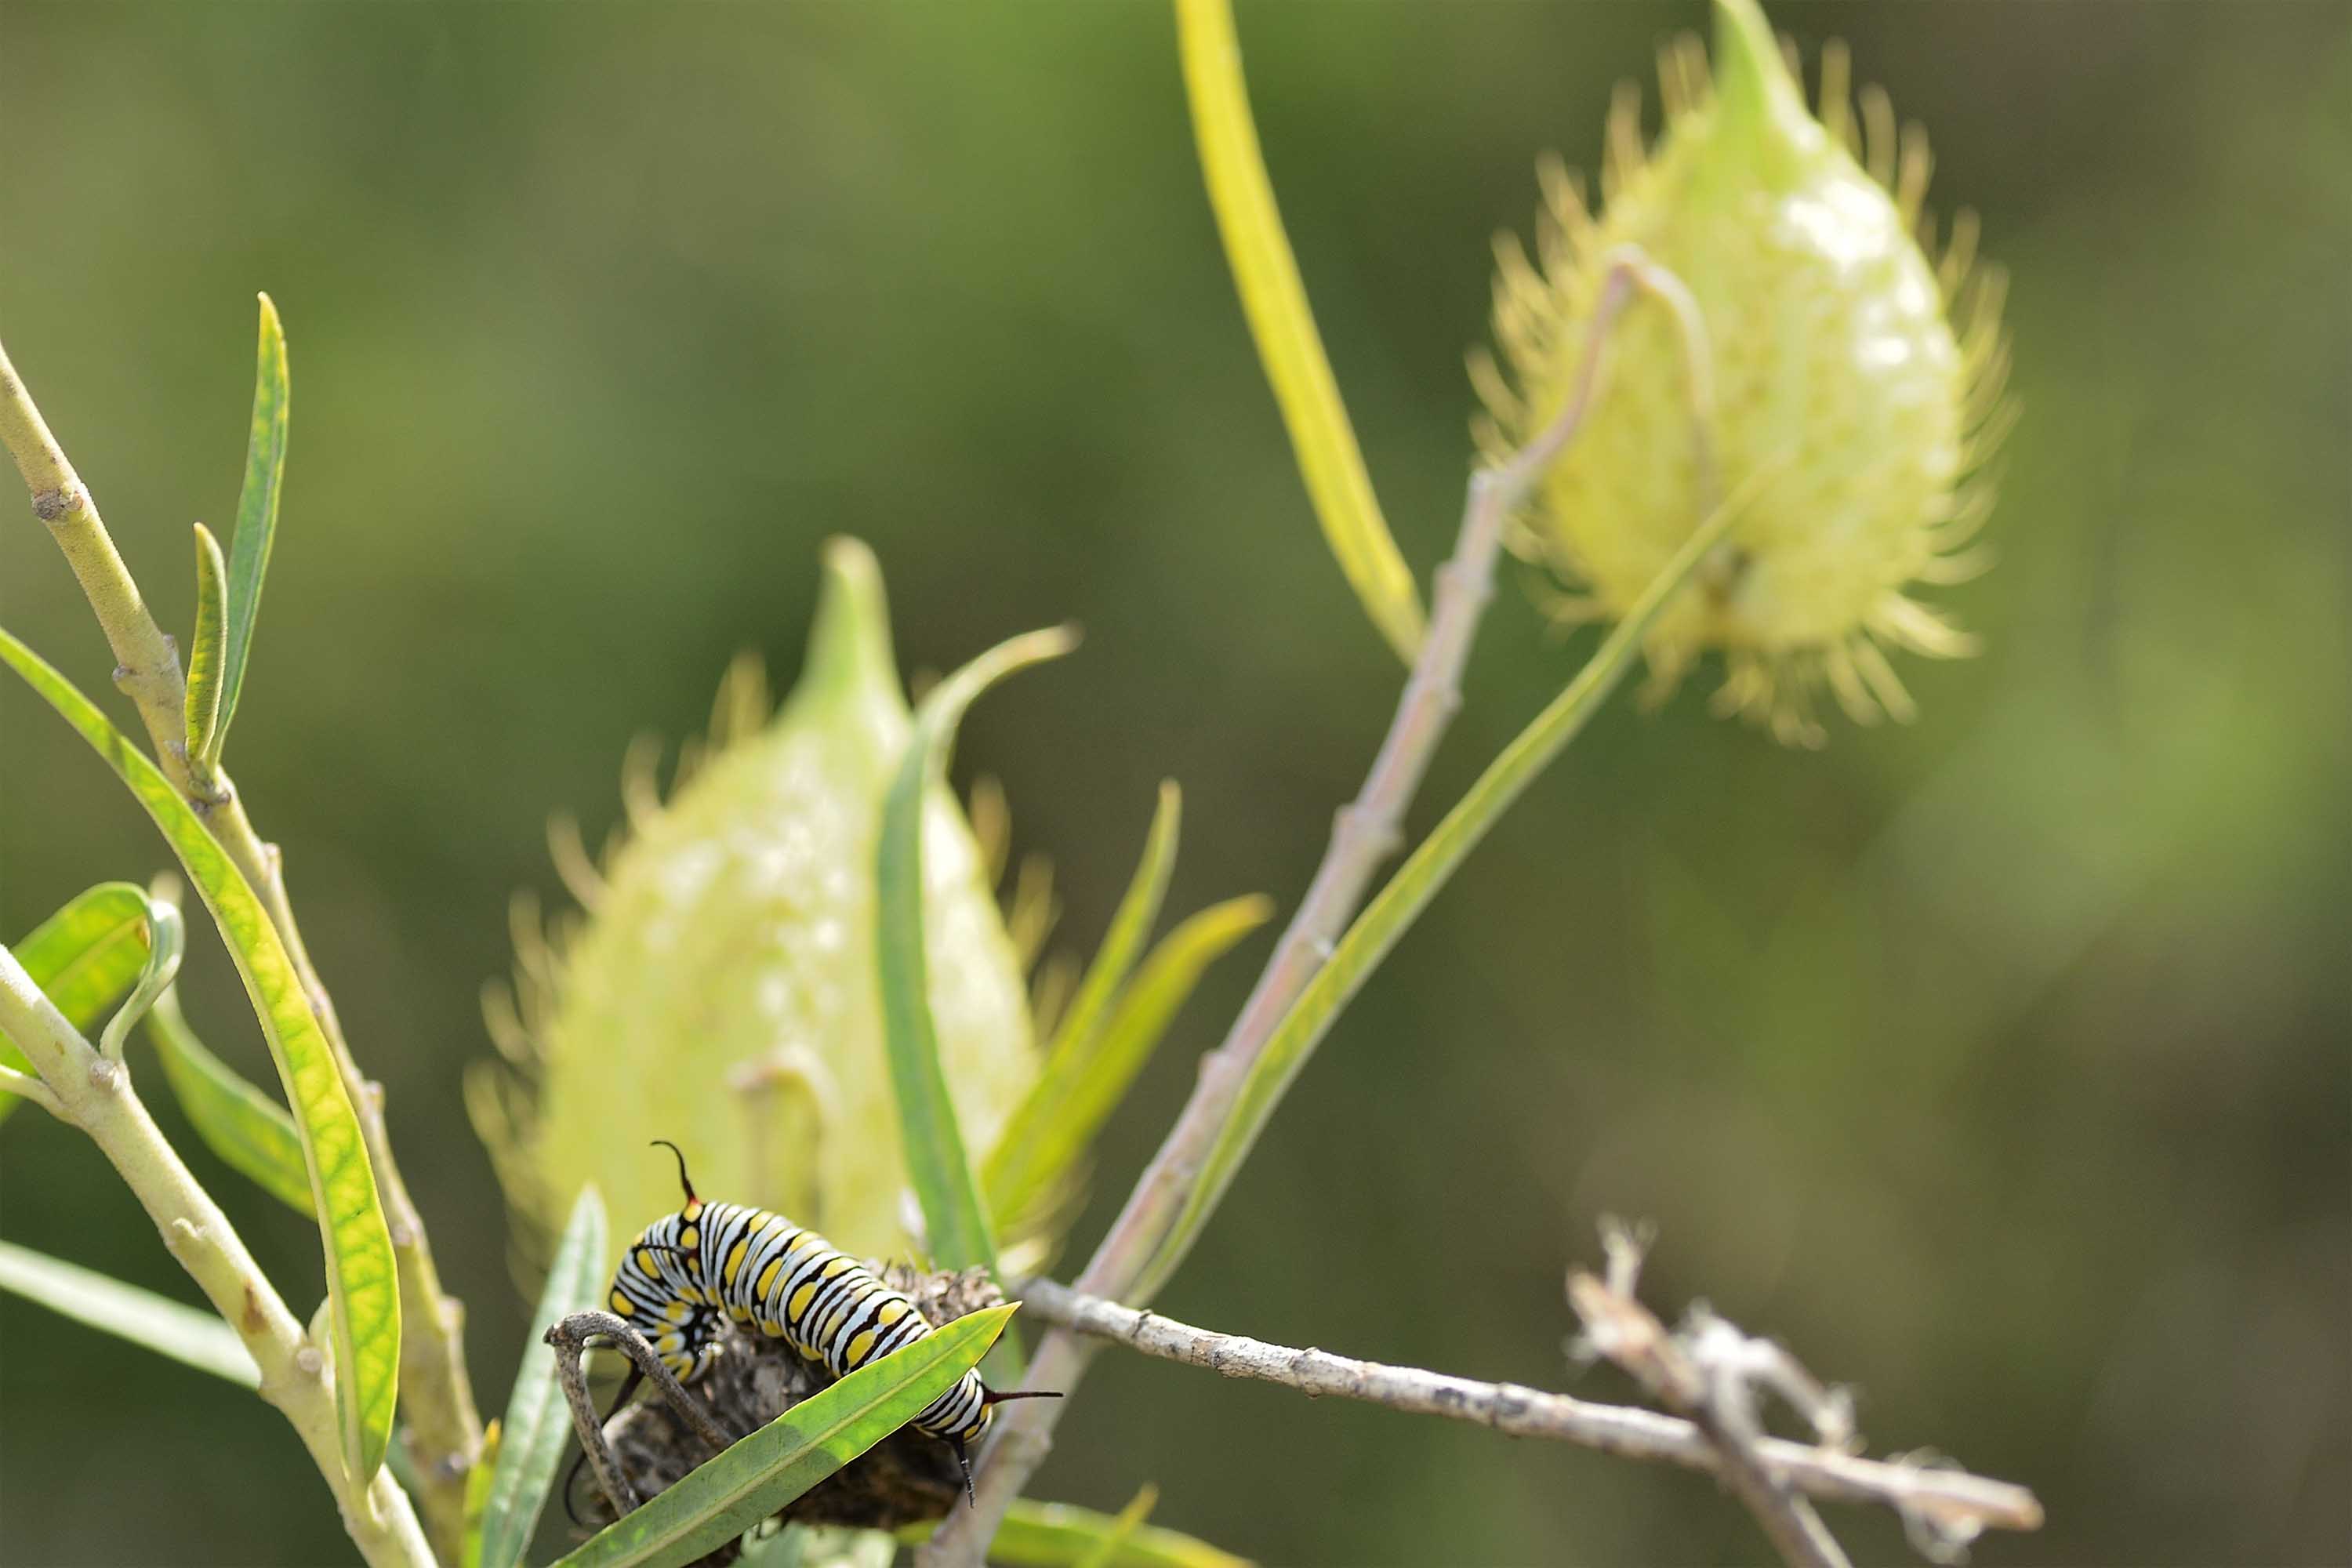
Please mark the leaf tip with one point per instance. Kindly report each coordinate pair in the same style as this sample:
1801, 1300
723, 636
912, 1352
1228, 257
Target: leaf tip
1252, 910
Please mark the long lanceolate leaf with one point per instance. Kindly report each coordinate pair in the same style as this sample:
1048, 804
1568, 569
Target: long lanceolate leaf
1083, 1097
1394, 909
1121, 1529
1267, 276
362, 1291
161, 1324
257, 522
250, 1131
537, 1421
1012, 1177
773, 1467
955, 1218
1061, 1535
208, 649
84, 958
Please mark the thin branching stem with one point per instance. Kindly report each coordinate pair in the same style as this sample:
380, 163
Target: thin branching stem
1367, 833
1958, 1500
588, 1425
1709, 1374
25, 1085
444, 1430
571, 1335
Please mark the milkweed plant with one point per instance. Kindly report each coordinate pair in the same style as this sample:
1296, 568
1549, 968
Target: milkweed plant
1739, 409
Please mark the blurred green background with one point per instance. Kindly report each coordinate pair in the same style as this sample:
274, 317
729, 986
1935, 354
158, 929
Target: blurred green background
1999, 1064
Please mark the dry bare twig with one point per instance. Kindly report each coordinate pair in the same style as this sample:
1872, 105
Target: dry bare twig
1952, 1504
1713, 1372
570, 1337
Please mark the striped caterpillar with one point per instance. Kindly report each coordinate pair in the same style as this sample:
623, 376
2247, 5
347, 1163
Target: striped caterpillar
689, 1272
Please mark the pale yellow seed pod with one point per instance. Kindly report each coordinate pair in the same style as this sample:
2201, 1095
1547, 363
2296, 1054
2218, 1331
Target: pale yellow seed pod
720, 990
1858, 385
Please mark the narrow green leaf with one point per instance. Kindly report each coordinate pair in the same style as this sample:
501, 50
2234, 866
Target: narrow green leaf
478, 1481
402, 1467
250, 1131
1130, 926
1266, 276
767, 1470
1397, 905
256, 518
1105, 1550
538, 1420
208, 651
83, 958
1012, 1177
187, 1335
955, 1218
360, 1286
1067, 1108
1060, 1535
167, 944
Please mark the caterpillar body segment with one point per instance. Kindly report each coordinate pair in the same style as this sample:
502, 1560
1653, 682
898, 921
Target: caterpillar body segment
691, 1272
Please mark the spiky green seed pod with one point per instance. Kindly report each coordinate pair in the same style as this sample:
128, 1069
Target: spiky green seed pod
1858, 385
721, 990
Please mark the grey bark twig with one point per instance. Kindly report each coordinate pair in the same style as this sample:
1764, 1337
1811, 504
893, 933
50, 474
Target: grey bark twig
1710, 1372
1959, 1504
1135, 1257
570, 1338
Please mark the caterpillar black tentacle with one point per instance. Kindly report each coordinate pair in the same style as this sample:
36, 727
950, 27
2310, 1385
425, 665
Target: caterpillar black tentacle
689, 1272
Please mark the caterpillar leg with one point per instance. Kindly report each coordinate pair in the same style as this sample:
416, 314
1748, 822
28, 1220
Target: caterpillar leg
988, 1398
964, 1459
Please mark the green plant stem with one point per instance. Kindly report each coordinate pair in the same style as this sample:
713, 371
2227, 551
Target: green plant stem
442, 1429
1365, 834
26, 1087
95, 1095
146, 660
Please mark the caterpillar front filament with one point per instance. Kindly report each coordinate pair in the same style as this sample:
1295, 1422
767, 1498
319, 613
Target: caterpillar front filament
689, 1273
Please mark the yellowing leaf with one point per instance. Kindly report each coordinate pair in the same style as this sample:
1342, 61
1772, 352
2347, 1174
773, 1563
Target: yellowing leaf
83, 958
1274, 300
361, 1289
